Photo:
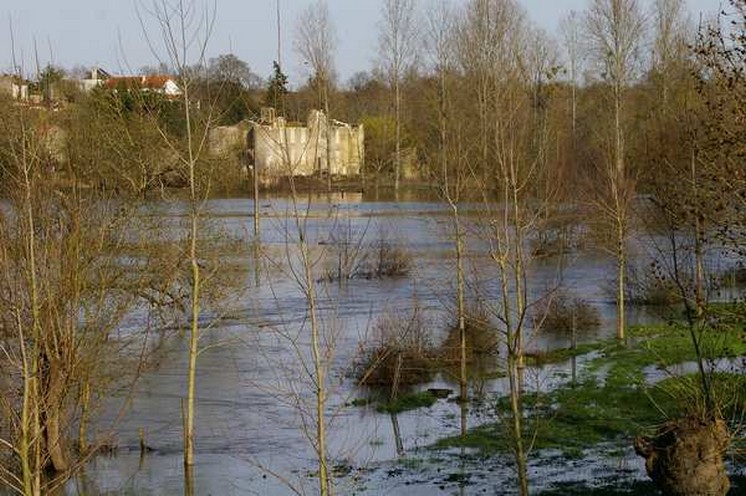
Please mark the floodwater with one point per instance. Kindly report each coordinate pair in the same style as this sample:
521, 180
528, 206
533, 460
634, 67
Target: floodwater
254, 434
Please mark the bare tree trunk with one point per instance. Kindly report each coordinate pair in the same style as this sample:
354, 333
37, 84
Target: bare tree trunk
52, 415
463, 376
193, 349
397, 117
621, 270
256, 202
31, 427
699, 296
195, 290
621, 212
29, 424
308, 285
615, 29
319, 370
397, 41
570, 27
519, 272
84, 396
328, 139
516, 410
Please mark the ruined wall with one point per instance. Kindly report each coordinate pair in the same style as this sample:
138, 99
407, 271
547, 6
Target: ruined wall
227, 141
281, 149
346, 149
285, 150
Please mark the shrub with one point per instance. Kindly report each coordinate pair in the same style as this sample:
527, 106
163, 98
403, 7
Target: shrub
651, 287
565, 312
387, 259
734, 277
409, 401
557, 237
401, 353
351, 259
481, 339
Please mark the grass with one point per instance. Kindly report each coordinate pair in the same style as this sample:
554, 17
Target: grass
409, 401
663, 346
612, 403
560, 355
592, 413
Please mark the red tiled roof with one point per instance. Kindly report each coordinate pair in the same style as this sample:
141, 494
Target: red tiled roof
131, 82
155, 81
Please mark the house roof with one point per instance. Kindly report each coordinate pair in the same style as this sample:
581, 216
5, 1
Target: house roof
138, 82
156, 81
99, 73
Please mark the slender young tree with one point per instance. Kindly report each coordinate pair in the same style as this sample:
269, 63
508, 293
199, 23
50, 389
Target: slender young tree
439, 45
397, 42
703, 199
315, 43
184, 32
30, 450
510, 81
615, 30
669, 44
570, 27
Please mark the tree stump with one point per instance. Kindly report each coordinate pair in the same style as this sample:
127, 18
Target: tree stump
685, 458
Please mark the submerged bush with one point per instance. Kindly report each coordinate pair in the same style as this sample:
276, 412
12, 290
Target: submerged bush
386, 258
353, 259
564, 313
560, 235
651, 287
401, 353
735, 277
481, 339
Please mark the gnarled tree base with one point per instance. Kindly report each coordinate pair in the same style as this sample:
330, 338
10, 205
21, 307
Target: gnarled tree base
685, 458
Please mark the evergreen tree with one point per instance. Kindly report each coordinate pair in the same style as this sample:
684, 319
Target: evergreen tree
277, 88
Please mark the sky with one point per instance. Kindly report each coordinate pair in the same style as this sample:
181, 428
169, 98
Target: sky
109, 33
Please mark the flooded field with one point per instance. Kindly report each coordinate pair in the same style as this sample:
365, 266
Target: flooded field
254, 389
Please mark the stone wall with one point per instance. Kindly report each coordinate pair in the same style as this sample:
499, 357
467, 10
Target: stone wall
281, 149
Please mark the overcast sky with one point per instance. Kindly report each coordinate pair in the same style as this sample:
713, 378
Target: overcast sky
108, 33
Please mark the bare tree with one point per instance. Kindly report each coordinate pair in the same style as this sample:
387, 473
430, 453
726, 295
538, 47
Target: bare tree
312, 343
65, 288
508, 67
315, 43
615, 29
571, 30
439, 45
480, 33
184, 32
229, 68
397, 42
670, 44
